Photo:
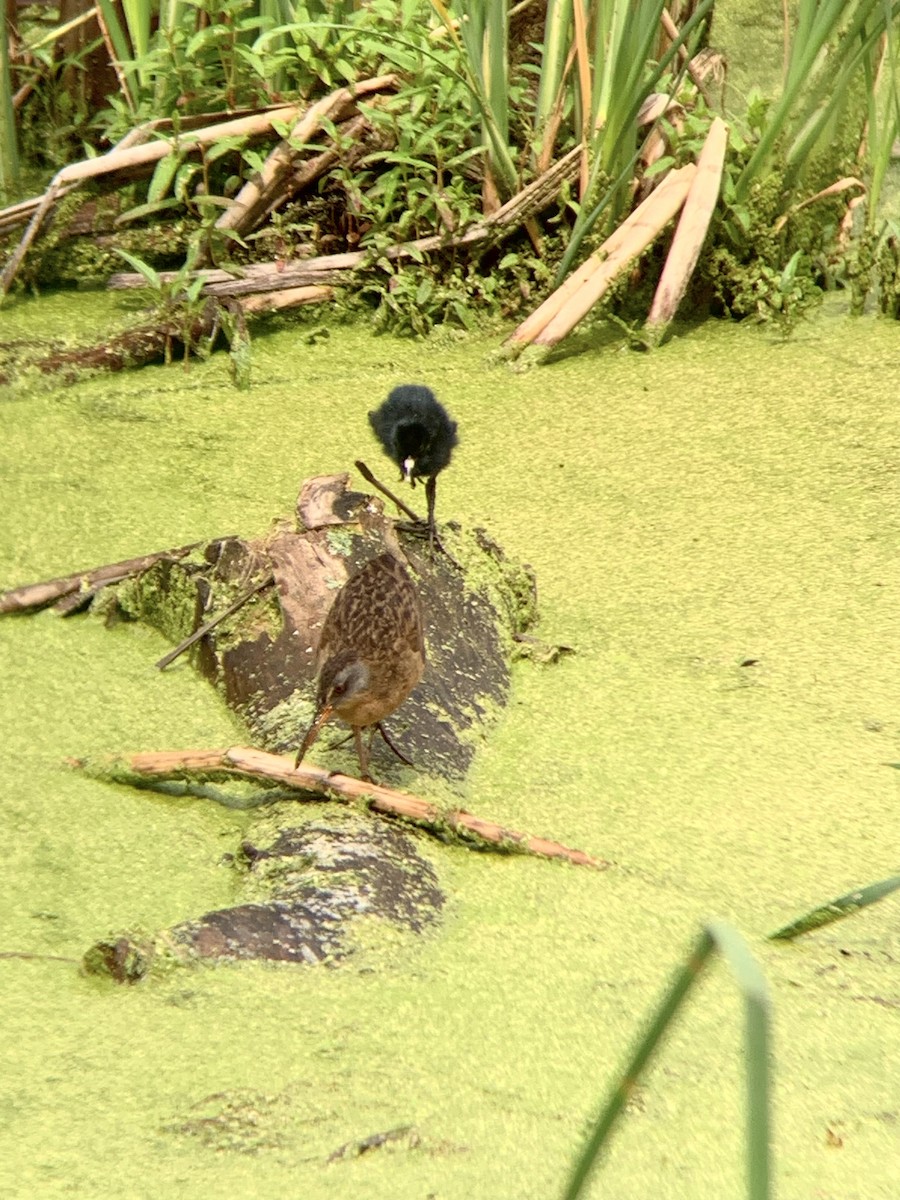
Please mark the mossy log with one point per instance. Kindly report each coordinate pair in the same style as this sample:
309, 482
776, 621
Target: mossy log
248, 612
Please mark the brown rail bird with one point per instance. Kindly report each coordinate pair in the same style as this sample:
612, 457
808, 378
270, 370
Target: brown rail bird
417, 432
371, 653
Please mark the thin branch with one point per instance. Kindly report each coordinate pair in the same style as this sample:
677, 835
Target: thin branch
370, 478
210, 625
33, 596
249, 763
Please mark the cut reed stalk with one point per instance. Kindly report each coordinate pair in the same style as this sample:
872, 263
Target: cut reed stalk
690, 233
632, 237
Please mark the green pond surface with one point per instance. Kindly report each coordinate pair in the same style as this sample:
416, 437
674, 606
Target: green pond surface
715, 528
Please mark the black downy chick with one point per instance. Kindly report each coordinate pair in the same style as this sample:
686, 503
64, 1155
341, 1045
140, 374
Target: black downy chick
416, 431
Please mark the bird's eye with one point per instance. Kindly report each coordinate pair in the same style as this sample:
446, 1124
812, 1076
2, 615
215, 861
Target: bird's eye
339, 688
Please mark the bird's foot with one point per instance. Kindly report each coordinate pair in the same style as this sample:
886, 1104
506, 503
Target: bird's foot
421, 529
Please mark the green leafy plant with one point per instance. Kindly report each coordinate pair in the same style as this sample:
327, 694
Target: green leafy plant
178, 302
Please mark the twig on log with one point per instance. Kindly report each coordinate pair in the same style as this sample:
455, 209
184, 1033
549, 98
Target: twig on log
210, 625
247, 762
370, 478
33, 596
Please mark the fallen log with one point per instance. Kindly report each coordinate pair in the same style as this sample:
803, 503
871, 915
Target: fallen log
150, 343
339, 268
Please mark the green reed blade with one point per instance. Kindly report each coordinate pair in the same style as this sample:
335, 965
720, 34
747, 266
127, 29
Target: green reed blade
836, 910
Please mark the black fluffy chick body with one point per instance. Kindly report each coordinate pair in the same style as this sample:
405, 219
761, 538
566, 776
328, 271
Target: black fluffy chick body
417, 432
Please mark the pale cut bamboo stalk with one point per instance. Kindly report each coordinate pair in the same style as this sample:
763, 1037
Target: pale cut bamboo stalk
149, 152
644, 225
690, 233
532, 326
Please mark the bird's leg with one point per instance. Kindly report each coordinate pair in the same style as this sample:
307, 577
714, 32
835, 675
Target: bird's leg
362, 754
384, 733
430, 490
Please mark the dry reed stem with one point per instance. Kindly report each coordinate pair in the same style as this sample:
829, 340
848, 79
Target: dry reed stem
533, 325
337, 106
632, 237
286, 298
690, 233
833, 189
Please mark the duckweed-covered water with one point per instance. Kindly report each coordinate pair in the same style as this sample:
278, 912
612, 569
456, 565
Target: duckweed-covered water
716, 529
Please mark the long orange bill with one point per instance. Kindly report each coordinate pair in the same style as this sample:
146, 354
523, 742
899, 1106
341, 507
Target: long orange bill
312, 733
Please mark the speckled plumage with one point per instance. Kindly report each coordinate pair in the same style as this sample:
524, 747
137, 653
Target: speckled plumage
371, 651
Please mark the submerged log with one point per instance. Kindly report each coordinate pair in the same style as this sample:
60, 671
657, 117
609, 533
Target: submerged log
302, 889
247, 612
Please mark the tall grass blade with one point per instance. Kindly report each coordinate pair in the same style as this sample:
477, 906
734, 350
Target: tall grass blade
716, 936
480, 21
832, 41
836, 910
9, 156
615, 146
119, 51
553, 66
752, 985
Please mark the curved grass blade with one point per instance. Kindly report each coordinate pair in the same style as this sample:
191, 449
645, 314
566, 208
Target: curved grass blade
836, 910
716, 936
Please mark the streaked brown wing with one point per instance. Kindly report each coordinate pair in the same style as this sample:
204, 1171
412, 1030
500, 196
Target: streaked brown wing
376, 614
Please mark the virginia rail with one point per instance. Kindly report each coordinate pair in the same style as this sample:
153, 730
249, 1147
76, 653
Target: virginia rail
416, 431
371, 653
